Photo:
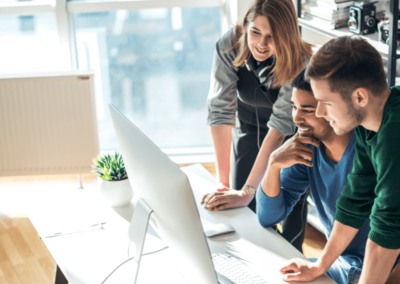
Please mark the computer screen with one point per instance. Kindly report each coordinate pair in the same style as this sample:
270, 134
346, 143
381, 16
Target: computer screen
166, 190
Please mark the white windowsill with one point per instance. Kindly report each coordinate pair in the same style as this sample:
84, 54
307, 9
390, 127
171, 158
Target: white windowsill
90, 6
202, 155
27, 8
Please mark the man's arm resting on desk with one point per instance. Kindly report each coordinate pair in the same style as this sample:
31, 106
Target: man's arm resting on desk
270, 203
378, 263
302, 270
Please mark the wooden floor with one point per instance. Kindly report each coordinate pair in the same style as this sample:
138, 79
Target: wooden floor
24, 259
23, 256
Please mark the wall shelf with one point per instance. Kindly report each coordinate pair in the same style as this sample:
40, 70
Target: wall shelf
388, 51
325, 30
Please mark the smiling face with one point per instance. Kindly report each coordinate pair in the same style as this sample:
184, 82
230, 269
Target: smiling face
342, 116
259, 38
304, 106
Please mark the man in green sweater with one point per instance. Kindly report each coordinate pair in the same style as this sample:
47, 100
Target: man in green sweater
348, 80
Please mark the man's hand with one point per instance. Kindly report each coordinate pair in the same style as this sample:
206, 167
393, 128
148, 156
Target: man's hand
301, 270
217, 201
293, 152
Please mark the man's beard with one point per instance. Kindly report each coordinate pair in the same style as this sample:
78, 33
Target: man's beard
356, 117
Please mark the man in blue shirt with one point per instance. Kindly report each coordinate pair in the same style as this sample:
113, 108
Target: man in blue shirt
323, 165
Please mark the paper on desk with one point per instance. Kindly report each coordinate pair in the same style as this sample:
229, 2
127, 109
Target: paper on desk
66, 212
60, 227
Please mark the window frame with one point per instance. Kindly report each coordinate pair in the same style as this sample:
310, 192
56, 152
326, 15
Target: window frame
26, 8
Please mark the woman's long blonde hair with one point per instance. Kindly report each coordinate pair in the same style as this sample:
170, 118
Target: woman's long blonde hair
290, 49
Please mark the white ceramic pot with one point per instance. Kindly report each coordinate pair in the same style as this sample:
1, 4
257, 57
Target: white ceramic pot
117, 193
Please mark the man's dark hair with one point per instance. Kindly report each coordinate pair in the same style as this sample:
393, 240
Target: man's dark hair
301, 83
348, 63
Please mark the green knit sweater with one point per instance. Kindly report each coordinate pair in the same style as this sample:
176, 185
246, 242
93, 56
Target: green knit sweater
373, 190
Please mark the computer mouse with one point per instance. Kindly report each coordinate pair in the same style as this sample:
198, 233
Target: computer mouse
219, 229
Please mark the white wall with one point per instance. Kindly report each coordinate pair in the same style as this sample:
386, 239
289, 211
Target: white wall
233, 11
313, 37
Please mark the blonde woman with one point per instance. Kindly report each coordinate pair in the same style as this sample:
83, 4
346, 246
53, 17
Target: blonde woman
249, 99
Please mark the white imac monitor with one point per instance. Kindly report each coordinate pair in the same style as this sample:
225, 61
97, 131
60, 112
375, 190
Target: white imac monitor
165, 188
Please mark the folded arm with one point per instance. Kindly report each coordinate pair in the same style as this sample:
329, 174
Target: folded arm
279, 192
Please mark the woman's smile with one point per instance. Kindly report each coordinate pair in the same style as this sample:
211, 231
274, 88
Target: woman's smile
261, 50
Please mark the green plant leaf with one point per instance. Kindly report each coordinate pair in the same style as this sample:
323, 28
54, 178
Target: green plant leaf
109, 166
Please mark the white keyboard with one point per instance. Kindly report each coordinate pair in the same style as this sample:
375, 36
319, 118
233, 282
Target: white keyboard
230, 270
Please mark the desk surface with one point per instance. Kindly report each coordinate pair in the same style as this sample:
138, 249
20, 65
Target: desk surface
89, 256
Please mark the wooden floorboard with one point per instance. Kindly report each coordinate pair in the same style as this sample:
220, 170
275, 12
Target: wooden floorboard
24, 259
48, 267
314, 242
3, 279
19, 241
10, 274
31, 272
8, 248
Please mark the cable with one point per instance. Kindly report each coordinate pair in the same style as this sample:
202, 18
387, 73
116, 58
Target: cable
129, 249
258, 123
255, 101
302, 208
109, 275
148, 252
129, 259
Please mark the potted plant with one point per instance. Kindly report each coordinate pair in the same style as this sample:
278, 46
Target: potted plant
112, 179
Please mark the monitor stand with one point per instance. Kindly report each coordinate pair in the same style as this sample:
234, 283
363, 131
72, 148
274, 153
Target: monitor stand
138, 229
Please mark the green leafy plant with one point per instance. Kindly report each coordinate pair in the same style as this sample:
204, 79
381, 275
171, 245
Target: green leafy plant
110, 167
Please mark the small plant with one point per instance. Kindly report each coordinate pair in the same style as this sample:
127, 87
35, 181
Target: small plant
110, 167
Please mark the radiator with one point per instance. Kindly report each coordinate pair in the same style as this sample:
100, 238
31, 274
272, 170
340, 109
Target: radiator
47, 124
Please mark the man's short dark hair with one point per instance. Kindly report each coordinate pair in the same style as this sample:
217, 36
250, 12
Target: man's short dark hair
301, 83
348, 63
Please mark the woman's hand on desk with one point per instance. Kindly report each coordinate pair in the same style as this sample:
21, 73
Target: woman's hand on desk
230, 198
222, 187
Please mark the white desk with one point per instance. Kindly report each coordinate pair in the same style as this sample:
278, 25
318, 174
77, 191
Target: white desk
88, 257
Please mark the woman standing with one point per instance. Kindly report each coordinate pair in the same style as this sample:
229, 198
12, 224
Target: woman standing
249, 101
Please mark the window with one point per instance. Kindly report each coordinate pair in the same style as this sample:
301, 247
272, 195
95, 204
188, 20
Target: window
28, 43
154, 65
152, 59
